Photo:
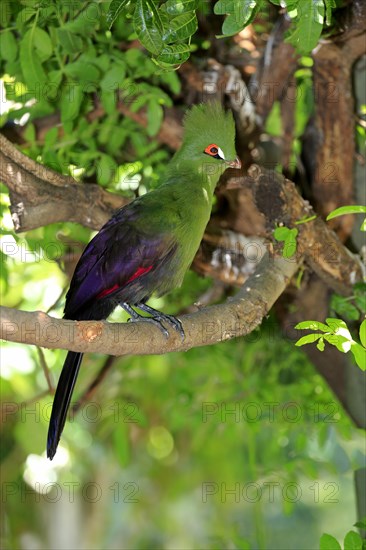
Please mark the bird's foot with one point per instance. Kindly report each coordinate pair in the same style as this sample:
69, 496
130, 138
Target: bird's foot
157, 318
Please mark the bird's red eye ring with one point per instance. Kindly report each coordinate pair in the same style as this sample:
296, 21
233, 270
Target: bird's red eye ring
212, 150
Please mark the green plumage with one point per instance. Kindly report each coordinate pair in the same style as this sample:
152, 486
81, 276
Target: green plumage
182, 205
148, 245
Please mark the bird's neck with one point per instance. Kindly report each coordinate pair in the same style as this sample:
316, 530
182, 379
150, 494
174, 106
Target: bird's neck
206, 174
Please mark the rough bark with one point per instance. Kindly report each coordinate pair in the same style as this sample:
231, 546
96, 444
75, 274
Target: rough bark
330, 147
237, 317
40, 196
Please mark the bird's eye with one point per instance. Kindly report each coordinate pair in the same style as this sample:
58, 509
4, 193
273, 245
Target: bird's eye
214, 151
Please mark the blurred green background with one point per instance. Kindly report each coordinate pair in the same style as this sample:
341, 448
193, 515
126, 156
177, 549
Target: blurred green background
238, 445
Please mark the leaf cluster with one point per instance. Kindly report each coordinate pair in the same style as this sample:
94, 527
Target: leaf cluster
165, 28
60, 59
352, 540
336, 333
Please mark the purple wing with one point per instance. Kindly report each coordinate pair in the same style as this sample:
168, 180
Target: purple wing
114, 260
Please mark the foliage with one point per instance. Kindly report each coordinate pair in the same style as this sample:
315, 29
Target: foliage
251, 413
289, 238
353, 307
336, 333
351, 209
352, 540
165, 29
67, 62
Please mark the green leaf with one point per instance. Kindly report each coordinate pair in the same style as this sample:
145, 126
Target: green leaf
51, 137
30, 133
42, 43
108, 100
181, 27
148, 26
240, 14
363, 333
273, 124
329, 6
352, 541
174, 55
71, 43
360, 524
359, 354
307, 25
171, 79
71, 99
312, 325
106, 168
351, 209
343, 307
82, 71
113, 78
289, 249
289, 236
307, 218
8, 46
177, 7
5, 13
321, 345
359, 297
115, 9
308, 339
83, 24
24, 16
33, 72
155, 115
281, 233
52, 89
336, 324
327, 542
338, 341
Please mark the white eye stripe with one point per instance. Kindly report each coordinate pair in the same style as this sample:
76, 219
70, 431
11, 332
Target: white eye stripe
220, 153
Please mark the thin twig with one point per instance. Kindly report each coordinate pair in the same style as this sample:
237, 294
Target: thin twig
45, 368
93, 386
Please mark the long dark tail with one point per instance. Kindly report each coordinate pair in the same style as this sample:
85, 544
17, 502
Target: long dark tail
62, 399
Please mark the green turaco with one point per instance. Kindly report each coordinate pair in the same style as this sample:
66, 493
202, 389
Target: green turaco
147, 246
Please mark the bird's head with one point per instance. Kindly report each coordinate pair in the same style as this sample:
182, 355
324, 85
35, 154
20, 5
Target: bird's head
209, 139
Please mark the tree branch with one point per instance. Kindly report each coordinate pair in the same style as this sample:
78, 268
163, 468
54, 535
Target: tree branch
237, 317
279, 202
35, 189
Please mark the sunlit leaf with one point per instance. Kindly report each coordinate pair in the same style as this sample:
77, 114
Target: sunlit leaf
359, 353
312, 325
327, 542
148, 26
351, 209
353, 541
363, 333
308, 339
30, 62
307, 25
115, 9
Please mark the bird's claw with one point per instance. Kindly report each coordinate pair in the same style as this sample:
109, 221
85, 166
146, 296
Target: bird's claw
156, 318
157, 321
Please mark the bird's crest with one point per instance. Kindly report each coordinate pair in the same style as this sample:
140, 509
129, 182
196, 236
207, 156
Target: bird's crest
209, 123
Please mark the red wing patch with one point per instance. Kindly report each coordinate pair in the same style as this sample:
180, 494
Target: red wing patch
140, 271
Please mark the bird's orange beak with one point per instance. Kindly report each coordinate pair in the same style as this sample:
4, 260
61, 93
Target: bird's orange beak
234, 163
